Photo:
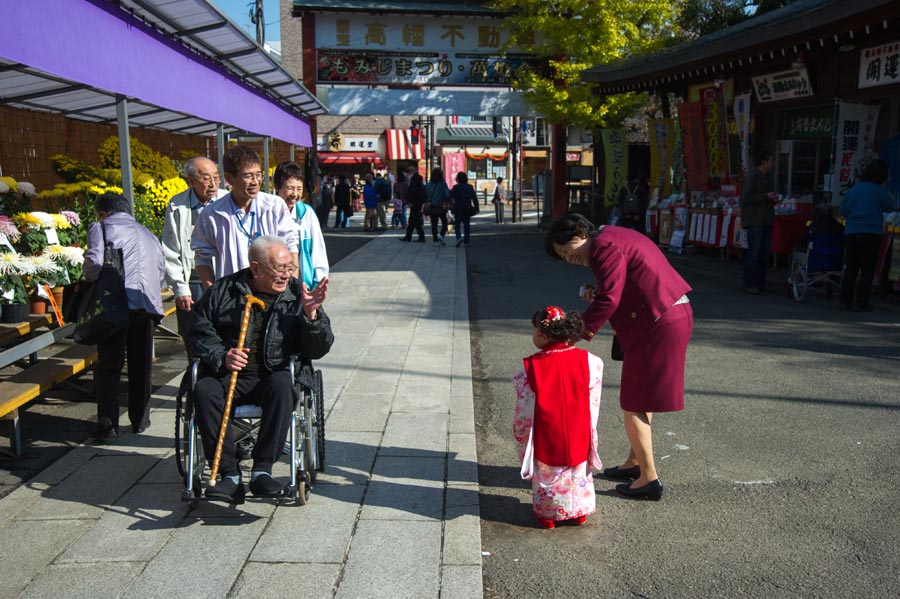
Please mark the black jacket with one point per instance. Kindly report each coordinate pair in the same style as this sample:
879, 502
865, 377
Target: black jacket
216, 325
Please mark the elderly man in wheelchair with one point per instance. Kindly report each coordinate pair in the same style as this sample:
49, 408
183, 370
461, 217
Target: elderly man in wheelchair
245, 332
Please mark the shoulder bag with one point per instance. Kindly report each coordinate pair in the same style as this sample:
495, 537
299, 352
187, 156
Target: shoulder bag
102, 306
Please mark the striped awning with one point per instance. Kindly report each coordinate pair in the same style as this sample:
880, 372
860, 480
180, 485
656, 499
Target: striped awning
400, 146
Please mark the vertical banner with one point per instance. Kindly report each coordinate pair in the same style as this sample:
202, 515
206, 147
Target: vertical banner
615, 149
454, 162
677, 159
715, 124
742, 125
662, 134
855, 137
693, 141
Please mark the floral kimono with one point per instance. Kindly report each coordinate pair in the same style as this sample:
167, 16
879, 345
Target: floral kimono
558, 400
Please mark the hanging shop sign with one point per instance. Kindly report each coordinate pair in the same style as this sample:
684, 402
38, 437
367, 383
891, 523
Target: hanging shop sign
808, 123
879, 65
715, 124
855, 138
693, 141
573, 156
784, 85
615, 148
414, 50
742, 129
337, 142
662, 136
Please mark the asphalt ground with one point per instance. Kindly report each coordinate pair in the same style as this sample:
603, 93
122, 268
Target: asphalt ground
780, 477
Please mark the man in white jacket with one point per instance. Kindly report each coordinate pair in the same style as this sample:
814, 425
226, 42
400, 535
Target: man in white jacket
313, 258
181, 215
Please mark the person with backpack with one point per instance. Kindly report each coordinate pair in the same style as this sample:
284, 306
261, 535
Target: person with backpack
632, 204
382, 199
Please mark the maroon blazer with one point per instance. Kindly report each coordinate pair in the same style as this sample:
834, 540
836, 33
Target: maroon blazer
635, 284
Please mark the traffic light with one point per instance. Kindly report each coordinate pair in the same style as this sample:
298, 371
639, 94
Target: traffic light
496, 127
414, 134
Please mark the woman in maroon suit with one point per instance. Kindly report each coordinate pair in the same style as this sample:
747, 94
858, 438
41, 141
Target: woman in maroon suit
645, 302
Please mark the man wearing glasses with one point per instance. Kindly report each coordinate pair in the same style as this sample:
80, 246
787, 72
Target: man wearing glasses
292, 323
180, 218
226, 228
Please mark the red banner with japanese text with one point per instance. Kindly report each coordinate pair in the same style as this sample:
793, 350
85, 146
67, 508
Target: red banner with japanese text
716, 128
693, 140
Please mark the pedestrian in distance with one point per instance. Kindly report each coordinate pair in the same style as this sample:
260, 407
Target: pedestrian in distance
415, 199
144, 270
465, 205
326, 195
438, 203
554, 424
400, 188
645, 301
499, 200
342, 202
370, 201
757, 218
383, 193
863, 207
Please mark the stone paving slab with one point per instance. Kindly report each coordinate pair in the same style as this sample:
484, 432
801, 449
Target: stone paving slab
406, 488
390, 558
279, 581
38, 544
82, 581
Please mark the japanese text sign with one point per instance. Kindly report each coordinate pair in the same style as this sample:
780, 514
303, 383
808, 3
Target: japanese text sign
783, 85
879, 65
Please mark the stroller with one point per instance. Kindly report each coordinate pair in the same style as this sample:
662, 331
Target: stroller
820, 258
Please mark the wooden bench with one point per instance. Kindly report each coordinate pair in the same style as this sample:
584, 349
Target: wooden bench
16, 330
30, 383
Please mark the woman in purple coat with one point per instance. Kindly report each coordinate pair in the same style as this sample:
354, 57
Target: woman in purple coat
645, 302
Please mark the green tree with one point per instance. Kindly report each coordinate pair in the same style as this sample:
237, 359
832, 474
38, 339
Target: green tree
568, 36
702, 17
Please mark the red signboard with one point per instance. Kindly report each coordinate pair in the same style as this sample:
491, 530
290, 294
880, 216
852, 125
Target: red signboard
693, 139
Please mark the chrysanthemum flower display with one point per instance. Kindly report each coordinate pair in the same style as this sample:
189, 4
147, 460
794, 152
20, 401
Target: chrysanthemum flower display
8, 228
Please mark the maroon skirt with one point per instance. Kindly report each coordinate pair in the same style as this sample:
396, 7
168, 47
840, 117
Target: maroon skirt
653, 369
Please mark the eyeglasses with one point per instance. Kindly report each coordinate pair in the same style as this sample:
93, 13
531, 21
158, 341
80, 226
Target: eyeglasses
207, 179
282, 269
249, 177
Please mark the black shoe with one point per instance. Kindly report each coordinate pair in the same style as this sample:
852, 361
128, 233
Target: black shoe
227, 490
105, 434
137, 429
266, 486
623, 473
652, 490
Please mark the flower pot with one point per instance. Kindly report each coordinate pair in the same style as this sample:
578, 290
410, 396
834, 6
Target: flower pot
38, 305
14, 313
58, 296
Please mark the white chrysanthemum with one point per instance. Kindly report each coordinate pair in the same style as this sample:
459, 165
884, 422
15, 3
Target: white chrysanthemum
10, 263
74, 255
3, 187
45, 219
41, 265
27, 188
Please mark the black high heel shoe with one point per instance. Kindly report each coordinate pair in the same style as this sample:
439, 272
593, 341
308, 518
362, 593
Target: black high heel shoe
652, 490
623, 473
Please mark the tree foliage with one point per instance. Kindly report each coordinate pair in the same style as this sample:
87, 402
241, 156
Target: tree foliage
701, 17
569, 36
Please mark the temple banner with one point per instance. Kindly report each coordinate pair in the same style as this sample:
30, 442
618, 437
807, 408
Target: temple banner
716, 127
693, 140
662, 138
854, 146
615, 149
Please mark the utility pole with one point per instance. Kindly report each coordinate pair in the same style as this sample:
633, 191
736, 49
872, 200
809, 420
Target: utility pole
256, 17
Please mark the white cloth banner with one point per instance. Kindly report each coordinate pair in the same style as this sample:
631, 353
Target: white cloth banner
855, 137
742, 124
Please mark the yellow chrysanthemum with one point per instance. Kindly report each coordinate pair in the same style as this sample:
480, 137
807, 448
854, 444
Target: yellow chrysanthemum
10, 182
60, 221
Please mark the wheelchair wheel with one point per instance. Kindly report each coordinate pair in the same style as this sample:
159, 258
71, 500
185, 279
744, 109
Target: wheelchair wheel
193, 491
799, 282
320, 423
181, 429
310, 447
300, 495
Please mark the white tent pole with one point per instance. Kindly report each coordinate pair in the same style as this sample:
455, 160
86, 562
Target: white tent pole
220, 152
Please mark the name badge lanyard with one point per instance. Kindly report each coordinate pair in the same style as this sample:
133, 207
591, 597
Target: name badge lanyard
250, 234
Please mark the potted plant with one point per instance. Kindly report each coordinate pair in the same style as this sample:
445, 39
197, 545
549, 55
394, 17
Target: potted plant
70, 260
42, 271
13, 296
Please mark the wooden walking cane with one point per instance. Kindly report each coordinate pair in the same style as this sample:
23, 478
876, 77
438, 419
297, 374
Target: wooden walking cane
245, 324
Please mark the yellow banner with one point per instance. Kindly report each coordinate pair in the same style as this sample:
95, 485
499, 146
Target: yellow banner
662, 147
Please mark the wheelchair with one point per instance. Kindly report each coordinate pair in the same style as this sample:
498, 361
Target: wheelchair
305, 444
818, 262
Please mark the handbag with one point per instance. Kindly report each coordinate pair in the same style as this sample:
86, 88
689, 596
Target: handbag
103, 306
617, 354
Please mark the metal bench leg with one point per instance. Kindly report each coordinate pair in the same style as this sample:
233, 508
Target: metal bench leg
16, 440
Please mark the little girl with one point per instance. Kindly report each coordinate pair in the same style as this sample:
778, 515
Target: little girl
397, 216
558, 399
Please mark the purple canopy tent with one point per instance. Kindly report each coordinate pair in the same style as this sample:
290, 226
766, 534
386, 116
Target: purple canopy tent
75, 56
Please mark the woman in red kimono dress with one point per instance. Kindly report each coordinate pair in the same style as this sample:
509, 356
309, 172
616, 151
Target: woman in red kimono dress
645, 301
558, 399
